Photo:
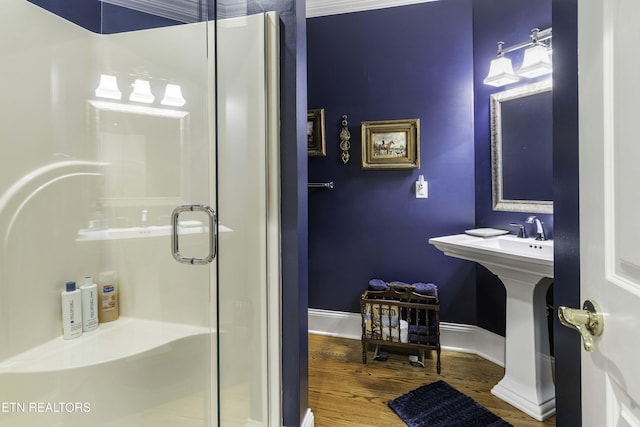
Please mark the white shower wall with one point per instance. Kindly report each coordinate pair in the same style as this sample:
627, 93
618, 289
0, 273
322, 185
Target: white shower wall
42, 111
69, 170
53, 171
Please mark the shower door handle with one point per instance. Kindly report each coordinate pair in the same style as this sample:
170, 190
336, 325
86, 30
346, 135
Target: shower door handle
213, 240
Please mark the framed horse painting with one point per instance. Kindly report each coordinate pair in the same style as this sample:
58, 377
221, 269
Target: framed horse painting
391, 144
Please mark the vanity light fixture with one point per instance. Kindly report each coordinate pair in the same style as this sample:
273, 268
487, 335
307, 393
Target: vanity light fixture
536, 60
173, 96
108, 87
141, 92
501, 70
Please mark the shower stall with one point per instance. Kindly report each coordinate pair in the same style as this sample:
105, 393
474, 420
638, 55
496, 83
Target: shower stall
152, 153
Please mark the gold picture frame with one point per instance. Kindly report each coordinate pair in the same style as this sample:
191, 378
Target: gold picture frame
315, 133
391, 144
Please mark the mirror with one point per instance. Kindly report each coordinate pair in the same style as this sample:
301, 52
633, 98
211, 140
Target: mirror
145, 150
522, 149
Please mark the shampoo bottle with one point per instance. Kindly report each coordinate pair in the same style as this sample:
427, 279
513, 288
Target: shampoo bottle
108, 296
89, 294
71, 312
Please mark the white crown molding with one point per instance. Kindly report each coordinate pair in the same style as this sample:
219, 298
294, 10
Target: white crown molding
179, 10
316, 8
186, 11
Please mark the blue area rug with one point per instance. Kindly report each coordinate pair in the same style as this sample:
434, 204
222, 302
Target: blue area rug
440, 405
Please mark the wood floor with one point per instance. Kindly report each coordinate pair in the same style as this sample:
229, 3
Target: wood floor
345, 392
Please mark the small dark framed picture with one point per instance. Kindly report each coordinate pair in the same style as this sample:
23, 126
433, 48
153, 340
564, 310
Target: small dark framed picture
391, 144
315, 132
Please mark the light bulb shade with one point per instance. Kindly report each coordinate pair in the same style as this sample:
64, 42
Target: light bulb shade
500, 72
536, 62
173, 96
108, 87
141, 92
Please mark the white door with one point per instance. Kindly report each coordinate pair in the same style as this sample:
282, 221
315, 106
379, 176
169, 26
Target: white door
609, 88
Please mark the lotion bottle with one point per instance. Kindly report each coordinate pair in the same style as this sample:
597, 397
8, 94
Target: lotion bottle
89, 293
71, 312
108, 296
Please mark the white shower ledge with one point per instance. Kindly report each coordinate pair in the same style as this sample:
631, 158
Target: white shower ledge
125, 337
142, 232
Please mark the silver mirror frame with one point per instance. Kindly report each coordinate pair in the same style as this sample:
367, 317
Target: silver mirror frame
499, 202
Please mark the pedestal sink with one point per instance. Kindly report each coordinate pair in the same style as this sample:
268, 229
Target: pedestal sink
525, 267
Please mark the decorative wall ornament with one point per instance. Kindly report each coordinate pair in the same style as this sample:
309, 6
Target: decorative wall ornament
315, 133
391, 144
345, 136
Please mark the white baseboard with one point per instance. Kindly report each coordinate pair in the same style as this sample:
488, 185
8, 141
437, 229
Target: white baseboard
308, 420
335, 323
453, 336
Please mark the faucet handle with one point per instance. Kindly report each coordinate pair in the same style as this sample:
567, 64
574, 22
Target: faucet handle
522, 232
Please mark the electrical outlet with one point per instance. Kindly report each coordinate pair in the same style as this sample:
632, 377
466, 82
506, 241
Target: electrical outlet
422, 189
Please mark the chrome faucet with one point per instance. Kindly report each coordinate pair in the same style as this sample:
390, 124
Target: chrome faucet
539, 228
522, 232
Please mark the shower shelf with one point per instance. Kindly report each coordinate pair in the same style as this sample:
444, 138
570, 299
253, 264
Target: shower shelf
142, 232
123, 338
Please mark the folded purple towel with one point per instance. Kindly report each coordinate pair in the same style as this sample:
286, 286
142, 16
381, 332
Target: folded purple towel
378, 285
425, 289
423, 339
421, 288
422, 330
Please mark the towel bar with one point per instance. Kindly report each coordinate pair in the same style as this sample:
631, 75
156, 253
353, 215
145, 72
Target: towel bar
328, 185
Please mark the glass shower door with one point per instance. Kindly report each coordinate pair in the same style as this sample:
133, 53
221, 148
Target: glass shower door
248, 180
157, 191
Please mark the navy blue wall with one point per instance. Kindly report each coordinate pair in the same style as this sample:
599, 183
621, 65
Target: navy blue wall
370, 225
86, 13
396, 63
566, 208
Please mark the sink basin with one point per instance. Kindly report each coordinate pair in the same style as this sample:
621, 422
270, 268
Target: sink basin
526, 256
530, 248
525, 268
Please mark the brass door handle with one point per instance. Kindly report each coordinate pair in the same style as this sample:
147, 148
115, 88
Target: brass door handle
589, 321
